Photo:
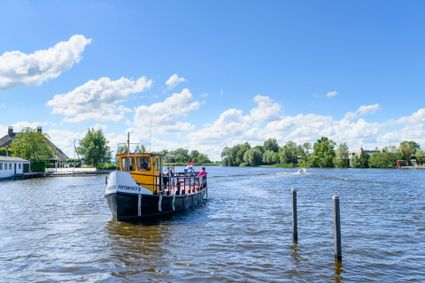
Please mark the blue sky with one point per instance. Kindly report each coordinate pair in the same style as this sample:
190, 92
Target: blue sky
237, 70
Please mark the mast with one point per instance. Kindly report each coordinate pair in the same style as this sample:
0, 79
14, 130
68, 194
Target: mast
150, 137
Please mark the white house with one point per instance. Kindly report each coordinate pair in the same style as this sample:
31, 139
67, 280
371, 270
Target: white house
13, 166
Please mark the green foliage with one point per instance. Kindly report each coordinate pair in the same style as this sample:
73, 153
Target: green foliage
31, 145
253, 156
38, 166
420, 156
323, 153
382, 159
288, 154
304, 153
107, 166
182, 156
407, 149
270, 157
271, 145
234, 156
363, 161
3, 151
341, 156
94, 149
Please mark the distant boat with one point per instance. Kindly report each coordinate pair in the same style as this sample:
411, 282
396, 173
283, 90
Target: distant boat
140, 189
302, 171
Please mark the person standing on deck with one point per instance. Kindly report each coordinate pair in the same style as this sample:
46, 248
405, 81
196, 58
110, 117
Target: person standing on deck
202, 174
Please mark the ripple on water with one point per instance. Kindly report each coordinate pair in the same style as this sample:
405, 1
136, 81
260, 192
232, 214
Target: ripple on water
60, 229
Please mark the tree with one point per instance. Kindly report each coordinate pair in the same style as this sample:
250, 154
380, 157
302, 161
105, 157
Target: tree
270, 157
94, 149
31, 145
341, 156
363, 161
288, 154
381, 160
181, 155
3, 151
323, 153
253, 157
407, 149
199, 158
420, 156
271, 144
234, 156
304, 152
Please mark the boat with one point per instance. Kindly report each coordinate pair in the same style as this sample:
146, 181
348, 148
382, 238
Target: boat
302, 171
139, 188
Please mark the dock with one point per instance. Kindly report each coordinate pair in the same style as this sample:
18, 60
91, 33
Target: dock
71, 172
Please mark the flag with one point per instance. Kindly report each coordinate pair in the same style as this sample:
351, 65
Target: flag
189, 165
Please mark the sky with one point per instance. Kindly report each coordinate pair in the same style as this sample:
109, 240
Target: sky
209, 74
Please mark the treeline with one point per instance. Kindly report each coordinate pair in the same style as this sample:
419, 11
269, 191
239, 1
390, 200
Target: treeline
324, 153
181, 156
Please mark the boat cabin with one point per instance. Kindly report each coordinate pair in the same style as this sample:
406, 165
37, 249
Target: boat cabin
146, 169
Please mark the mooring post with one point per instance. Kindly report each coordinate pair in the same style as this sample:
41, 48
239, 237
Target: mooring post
294, 217
337, 228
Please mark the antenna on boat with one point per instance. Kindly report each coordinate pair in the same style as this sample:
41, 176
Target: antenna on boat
150, 137
128, 144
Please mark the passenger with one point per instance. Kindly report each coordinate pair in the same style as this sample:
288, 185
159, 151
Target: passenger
202, 172
202, 177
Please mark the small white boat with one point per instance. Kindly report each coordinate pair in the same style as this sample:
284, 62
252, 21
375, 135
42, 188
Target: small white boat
302, 171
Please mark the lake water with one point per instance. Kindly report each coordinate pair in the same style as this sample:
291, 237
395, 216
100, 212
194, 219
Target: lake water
60, 229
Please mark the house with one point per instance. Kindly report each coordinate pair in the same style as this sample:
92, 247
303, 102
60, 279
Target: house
369, 152
11, 167
59, 157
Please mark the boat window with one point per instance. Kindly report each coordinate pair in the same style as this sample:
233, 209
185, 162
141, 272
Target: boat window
143, 163
157, 164
10, 166
127, 164
1, 166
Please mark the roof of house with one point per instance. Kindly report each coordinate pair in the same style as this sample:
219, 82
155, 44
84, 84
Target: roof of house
12, 159
58, 153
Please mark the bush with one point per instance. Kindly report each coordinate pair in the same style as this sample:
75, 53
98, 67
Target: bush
38, 166
107, 166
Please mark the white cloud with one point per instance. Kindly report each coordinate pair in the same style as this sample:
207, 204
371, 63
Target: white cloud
18, 68
362, 110
98, 100
166, 116
331, 93
174, 81
233, 127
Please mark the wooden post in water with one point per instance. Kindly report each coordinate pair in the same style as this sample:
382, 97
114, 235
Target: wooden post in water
294, 217
337, 228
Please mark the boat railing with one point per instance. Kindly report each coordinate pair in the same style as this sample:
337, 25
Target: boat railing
182, 184
179, 183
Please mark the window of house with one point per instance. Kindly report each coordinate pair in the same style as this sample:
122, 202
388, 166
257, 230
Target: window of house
143, 163
1, 166
19, 166
10, 166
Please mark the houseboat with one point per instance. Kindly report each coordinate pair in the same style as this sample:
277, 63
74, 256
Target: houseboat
13, 167
140, 188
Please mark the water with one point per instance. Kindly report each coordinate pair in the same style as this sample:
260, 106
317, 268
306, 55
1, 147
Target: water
60, 229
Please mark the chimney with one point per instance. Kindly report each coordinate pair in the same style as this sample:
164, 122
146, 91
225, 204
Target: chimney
10, 131
39, 129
